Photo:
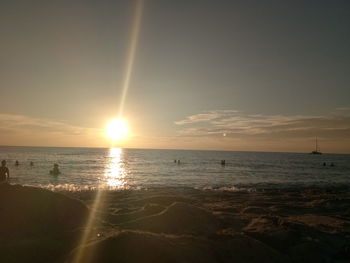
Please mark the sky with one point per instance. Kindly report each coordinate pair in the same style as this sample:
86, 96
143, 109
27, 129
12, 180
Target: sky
217, 75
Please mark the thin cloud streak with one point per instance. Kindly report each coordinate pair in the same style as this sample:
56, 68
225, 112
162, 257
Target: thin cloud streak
24, 129
239, 124
20, 123
204, 117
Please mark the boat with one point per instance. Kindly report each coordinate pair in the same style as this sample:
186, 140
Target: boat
316, 151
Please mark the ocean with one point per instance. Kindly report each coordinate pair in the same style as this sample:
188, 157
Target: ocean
118, 169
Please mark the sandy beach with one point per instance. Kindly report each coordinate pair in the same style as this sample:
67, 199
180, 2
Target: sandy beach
175, 225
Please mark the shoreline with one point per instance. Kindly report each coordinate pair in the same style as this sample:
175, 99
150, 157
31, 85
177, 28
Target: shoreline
263, 187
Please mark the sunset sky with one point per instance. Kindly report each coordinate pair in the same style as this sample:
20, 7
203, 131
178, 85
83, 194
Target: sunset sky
224, 75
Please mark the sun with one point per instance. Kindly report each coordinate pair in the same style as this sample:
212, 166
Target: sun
117, 129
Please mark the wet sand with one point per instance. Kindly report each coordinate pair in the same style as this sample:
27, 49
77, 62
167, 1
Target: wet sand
176, 225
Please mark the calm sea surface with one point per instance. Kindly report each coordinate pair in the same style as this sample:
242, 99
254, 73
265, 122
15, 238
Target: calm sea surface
84, 168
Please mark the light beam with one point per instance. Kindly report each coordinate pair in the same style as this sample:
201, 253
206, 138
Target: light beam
81, 255
131, 53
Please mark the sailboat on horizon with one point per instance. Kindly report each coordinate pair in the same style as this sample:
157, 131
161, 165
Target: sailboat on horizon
316, 151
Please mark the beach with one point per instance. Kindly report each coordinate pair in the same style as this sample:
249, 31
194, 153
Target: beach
174, 225
138, 131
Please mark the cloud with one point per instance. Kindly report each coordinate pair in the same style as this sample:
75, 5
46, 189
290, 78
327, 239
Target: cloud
343, 109
22, 124
241, 125
19, 129
204, 117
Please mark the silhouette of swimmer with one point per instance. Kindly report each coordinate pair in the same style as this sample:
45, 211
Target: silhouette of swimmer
4, 172
55, 170
178, 161
332, 164
31, 164
17, 163
324, 164
223, 162
174, 161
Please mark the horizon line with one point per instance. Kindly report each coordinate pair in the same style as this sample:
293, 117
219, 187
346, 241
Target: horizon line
178, 149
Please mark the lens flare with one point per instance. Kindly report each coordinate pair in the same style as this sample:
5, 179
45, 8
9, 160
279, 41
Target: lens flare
131, 53
116, 130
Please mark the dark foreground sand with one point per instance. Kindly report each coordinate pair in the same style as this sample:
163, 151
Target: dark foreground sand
175, 225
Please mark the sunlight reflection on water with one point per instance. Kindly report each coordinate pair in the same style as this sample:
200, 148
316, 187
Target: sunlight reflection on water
115, 174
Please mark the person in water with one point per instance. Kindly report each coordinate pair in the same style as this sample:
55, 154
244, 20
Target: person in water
31, 164
55, 170
17, 163
4, 172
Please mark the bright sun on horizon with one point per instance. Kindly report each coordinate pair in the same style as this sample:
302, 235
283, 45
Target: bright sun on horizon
117, 129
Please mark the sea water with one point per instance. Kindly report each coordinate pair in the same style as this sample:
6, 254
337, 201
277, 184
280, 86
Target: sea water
91, 168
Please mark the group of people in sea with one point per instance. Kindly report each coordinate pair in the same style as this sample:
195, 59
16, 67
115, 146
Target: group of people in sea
223, 162
17, 163
5, 172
